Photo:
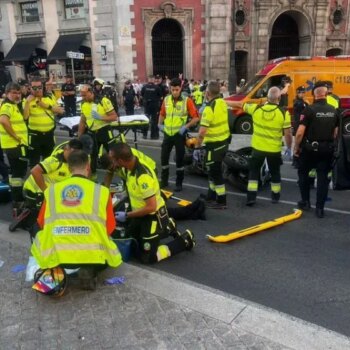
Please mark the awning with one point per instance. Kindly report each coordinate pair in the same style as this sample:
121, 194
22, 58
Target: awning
66, 43
22, 49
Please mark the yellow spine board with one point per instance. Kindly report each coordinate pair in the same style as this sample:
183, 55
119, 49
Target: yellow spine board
254, 229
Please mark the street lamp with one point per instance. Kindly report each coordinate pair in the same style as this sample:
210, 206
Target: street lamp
232, 77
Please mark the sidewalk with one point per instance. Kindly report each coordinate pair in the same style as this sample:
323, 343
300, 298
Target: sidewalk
151, 310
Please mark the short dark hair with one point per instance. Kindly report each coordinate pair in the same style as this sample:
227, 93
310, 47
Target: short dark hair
12, 86
121, 151
36, 80
77, 159
175, 82
68, 76
75, 144
213, 88
105, 161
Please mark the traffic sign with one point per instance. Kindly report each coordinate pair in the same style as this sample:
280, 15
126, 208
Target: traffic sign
76, 55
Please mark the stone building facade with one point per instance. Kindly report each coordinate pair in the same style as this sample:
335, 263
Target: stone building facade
127, 39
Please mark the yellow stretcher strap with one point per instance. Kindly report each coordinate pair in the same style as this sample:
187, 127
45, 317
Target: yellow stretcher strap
254, 229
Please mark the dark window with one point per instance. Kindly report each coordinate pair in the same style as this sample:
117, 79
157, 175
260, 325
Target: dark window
240, 17
74, 9
337, 16
29, 11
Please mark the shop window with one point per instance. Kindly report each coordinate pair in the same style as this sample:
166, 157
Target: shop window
74, 9
29, 11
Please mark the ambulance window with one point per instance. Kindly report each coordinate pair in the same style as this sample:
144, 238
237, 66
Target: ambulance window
264, 88
251, 84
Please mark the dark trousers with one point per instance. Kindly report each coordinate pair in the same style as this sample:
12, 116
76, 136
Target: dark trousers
169, 142
70, 109
41, 145
152, 112
129, 109
18, 168
149, 242
3, 167
322, 162
215, 153
274, 162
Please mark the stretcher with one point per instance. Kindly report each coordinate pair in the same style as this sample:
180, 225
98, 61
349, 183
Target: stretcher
255, 229
125, 124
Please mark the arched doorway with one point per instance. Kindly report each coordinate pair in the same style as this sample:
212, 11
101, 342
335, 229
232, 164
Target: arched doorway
284, 40
333, 52
167, 48
290, 35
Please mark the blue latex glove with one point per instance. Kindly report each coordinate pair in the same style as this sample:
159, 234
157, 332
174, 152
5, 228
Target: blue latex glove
288, 154
161, 127
196, 154
95, 115
120, 216
183, 130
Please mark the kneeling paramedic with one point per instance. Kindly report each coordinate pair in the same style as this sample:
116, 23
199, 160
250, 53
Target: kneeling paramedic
148, 220
75, 229
51, 170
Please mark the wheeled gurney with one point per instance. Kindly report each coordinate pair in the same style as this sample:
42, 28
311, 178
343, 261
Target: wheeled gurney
125, 124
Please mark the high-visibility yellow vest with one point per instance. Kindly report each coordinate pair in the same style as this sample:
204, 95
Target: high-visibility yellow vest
176, 114
269, 120
215, 119
56, 170
198, 97
148, 161
75, 226
332, 101
12, 111
142, 183
41, 119
101, 107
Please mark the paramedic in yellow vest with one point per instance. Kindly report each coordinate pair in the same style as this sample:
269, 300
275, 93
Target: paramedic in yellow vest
270, 123
14, 140
197, 96
97, 113
113, 170
51, 170
76, 220
332, 99
39, 112
148, 219
173, 122
214, 132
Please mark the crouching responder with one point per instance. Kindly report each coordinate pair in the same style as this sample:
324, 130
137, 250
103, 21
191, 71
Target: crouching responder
148, 218
74, 228
51, 170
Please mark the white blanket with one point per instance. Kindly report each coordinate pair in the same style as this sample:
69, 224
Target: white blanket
124, 120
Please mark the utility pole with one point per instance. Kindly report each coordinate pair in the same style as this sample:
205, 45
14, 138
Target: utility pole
232, 77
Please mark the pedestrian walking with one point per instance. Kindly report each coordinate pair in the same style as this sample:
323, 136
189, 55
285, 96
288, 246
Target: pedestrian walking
315, 145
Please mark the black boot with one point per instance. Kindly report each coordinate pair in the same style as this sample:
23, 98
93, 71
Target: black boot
179, 179
164, 178
251, 198
275, 197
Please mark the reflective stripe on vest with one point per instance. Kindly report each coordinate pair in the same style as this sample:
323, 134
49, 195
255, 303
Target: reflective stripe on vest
75, 233
176, 115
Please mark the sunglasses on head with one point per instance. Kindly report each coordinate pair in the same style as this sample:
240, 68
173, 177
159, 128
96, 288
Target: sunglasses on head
35, 88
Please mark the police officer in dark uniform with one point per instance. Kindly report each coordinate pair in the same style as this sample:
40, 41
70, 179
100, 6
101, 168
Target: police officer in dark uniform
151, 95
298, 106
68, 97
314, 145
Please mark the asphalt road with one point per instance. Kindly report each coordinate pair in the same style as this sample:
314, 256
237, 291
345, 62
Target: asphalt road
301, 268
